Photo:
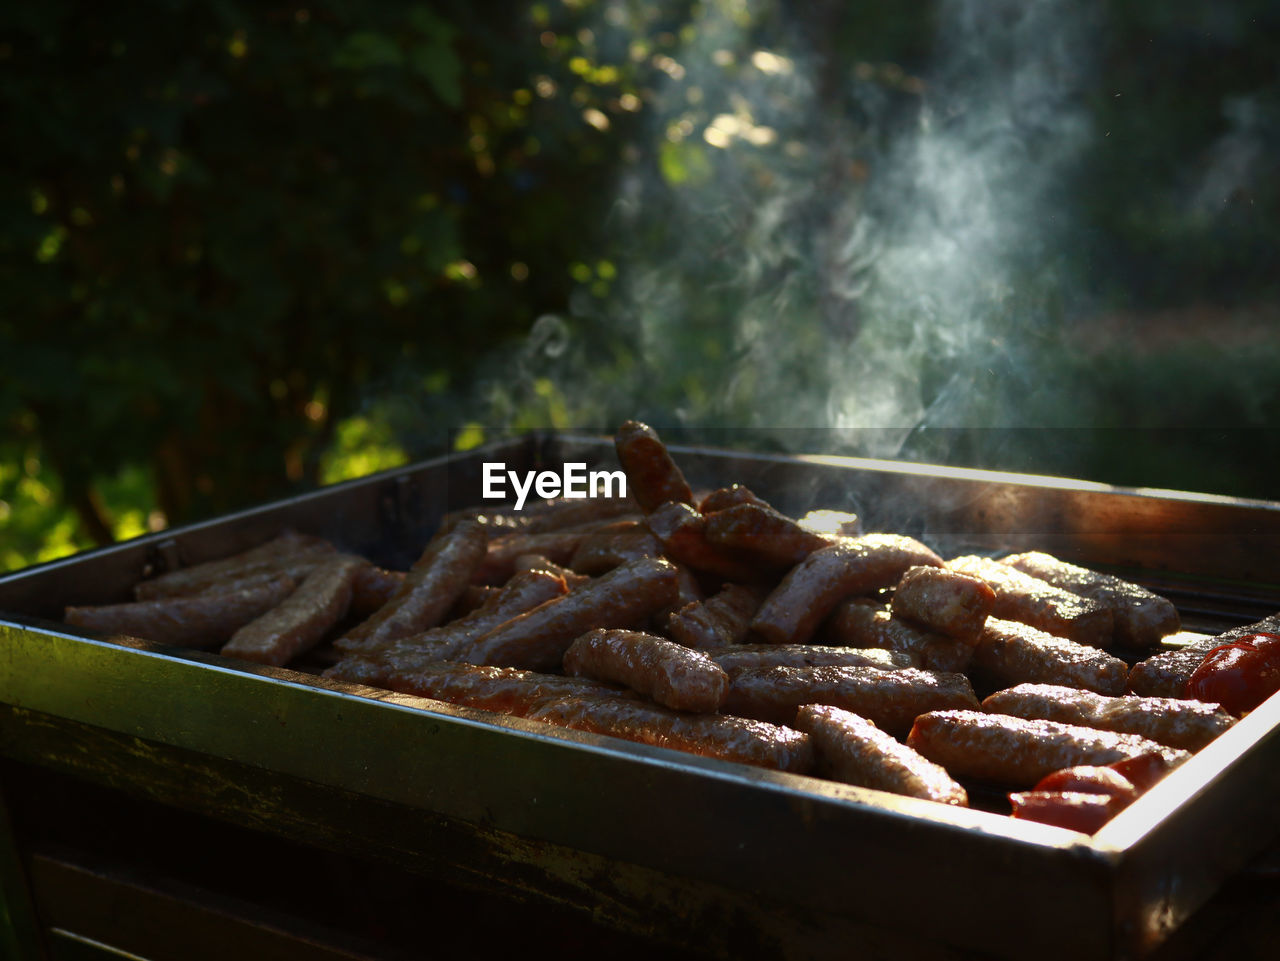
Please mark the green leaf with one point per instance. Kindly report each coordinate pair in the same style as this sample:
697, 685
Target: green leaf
368, 50
439, 66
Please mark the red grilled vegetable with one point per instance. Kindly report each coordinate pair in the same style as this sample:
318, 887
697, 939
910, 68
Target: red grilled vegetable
1240, 675
1073, 810
1142, 771
1087, 779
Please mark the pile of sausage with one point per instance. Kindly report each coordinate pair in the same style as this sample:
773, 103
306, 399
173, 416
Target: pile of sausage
713, 623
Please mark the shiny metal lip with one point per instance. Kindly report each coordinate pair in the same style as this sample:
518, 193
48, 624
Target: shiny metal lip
819, 853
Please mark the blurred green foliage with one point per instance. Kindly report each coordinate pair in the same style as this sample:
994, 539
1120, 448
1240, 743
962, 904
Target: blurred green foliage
249, 248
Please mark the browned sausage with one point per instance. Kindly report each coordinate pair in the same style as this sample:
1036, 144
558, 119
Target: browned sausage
474, 596
566, 512
652, 476
682, 531
718, 621
1173, 721
373, 586
1141, 618
540, 516
536, 562
290, 553
1010, 652
625, 597
891, 699
503, 690
197, 620
432, 586
1021, 597
299, 622
764, 534
813, 587
850, 748
606, 547
809, 655
450, 641
673, 675
708, 735
730, 496
945, 601
1017, 752
499, 561
856, 623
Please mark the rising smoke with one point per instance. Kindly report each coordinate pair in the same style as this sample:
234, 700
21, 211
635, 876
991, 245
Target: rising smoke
878, 262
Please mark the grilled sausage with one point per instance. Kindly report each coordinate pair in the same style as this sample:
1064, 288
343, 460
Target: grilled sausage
682, 531
767, 536
1021, 597
1172, 721
945, 601
616, 543
565, 512
503, 690
197, 620
432, 586
289, 553
1011, 652
809, 655
811, 589
1141, 618
709, 735
372, 587
890, 698
450, 641
544, 515
299, 622
652, 476
718, 621
499, 562
673, 675
1017, 752
856, 623
725, 497
850, 748
537, 562
625, 597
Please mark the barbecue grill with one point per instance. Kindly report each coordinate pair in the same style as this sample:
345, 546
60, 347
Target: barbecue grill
161, 802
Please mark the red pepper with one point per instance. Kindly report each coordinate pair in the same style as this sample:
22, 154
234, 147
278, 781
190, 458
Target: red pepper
1090, 780
1240, 675
1066, 809
1142, 771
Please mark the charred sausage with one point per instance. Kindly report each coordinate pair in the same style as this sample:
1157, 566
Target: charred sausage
850, 748
653, 477
625, 597
890, 698
673, 675
1021, 597
1172, 721
809, 592
1141, 618
1018, 752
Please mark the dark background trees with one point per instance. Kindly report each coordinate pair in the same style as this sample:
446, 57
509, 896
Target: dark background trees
249, 248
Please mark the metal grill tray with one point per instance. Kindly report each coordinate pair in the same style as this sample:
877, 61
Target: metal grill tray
730, 859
